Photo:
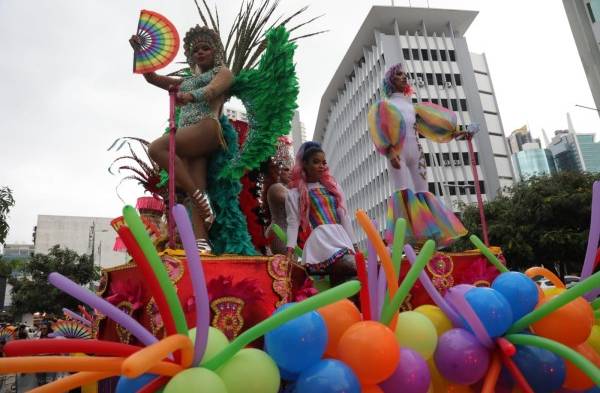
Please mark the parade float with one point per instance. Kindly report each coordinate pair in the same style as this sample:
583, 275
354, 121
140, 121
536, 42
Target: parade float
173, 320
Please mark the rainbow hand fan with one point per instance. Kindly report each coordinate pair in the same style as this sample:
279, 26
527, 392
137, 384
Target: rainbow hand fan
159, 42
71, 329
7, 334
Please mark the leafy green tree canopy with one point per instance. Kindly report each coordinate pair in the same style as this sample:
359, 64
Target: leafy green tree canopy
31, 290
6, 202
541, 221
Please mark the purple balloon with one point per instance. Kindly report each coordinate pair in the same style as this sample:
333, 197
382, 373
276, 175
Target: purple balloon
460, 358
411, 375
593, 237
381, 290
186, 233
372, 275
76, 317
78, 292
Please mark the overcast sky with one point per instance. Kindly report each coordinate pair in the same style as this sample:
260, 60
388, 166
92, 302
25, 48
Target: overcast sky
67, 91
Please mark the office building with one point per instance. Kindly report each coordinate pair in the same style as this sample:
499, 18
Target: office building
298, 132
532, 160
431, 45
584, 18
518, 138
84, 235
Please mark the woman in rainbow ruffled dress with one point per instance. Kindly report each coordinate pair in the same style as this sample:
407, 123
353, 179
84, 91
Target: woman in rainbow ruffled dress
316, 203
394, 125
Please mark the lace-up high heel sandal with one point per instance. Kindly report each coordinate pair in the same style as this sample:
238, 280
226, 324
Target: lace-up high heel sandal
204, 247
200, 199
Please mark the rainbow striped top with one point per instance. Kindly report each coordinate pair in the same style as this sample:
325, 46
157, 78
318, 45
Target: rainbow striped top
323, 208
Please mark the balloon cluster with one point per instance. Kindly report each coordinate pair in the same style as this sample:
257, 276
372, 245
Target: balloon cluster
200, 358
510, 336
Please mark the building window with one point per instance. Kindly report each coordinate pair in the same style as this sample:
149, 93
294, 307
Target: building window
593, 9
457, 158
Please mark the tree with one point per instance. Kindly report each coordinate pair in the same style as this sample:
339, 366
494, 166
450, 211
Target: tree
541, 221
32, 292
6, 202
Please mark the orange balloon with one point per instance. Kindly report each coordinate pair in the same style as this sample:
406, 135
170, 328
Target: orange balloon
144, 359
338, 316
570, 325
576, 379
370, 349
371, 389
547, 274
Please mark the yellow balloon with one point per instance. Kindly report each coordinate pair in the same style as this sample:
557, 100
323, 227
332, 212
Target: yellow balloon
437, 317
553, 291
438, 382
415, 331
594, 338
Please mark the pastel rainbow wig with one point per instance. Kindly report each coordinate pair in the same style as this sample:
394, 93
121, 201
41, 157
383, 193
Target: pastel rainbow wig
388, 81
299, 181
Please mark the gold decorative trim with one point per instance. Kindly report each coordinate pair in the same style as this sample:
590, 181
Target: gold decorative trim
228, 315
167, 260
124, 334
156, 328
243, 259
280, 271
103, 284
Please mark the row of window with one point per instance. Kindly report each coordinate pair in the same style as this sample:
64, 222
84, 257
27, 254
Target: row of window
458, 159
425, 54
458, 187
440, 79
447, 103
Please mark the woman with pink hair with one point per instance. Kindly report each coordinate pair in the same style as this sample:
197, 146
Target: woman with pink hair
315, 202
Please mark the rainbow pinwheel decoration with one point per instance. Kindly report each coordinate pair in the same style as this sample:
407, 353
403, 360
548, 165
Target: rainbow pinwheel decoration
72, 329
159, 42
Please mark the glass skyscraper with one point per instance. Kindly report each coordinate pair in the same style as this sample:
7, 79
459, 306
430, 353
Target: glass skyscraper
590, 152
533, 162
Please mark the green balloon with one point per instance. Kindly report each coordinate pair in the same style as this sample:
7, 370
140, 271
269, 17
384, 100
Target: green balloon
250, 371
217, 341
196, 380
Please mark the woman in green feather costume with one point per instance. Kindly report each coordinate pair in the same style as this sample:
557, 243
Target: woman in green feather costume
269, 93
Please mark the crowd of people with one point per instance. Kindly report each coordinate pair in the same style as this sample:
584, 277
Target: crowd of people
21, 331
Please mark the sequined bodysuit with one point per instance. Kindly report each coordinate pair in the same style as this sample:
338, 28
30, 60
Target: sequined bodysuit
199, 109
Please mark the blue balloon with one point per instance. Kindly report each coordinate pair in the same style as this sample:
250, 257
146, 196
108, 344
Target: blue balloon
595, 389
492, 308
128, 385
328, 376
520, 291
544, 370
288, 375
299, 343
